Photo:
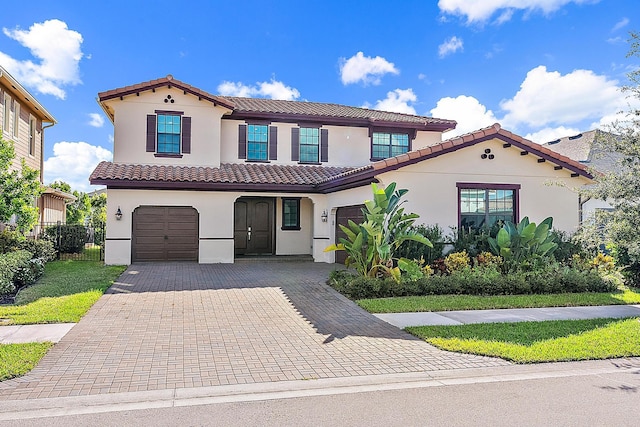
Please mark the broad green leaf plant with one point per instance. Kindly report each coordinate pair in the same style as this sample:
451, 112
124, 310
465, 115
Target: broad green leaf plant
523, 244
370, 246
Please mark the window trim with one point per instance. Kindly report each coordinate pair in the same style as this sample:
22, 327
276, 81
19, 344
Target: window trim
411, 134
490, 186
291, 227
185, 134
168, 114
16, 120
318, 145
6, 115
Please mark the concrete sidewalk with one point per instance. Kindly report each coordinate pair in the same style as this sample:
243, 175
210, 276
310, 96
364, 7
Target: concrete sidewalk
54, 332
403, 320
18, 334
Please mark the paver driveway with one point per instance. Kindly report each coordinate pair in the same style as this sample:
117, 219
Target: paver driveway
165, 326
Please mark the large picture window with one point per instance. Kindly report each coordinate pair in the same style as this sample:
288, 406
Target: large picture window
385, 145
482, 205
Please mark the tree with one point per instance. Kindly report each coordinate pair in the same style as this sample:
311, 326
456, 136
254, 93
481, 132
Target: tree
621, 186
79, 210
19, 189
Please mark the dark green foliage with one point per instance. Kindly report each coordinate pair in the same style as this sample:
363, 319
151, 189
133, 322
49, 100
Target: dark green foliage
551, 279
411, 249
567, 247
11, 265
473, 241
14, 240
72, 237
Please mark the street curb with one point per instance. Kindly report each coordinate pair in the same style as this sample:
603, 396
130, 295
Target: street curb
116, 402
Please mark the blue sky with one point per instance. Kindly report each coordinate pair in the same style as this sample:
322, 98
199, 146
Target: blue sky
541, 68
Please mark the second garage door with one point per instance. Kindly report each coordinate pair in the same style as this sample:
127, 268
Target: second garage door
165, 233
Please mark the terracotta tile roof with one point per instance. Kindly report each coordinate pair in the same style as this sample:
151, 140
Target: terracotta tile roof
494, 131
328, 110
164, 81
227, 173
288, 110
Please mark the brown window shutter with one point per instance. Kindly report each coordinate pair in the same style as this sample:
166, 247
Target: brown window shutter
186, 135
324, 145
295, 144
273, 143
242, 141
151, 132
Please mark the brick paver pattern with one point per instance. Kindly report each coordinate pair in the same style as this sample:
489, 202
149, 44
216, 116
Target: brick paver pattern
176, 325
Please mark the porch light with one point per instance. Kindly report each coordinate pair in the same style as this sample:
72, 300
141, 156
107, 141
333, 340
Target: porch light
324, 216
118, 214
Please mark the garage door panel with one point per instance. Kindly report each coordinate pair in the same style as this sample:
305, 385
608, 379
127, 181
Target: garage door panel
165, 233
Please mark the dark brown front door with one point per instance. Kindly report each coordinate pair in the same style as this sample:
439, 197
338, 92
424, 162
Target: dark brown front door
253, 226
165, 233
343, 215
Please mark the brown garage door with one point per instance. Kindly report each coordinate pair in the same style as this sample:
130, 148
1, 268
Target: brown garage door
343, 215
165, 233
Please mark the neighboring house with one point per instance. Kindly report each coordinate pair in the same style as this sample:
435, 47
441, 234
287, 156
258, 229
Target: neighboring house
588, 149
23, 121
210, 178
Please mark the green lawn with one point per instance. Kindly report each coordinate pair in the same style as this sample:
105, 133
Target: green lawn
473, 302
18, 359
531, 342
63, 294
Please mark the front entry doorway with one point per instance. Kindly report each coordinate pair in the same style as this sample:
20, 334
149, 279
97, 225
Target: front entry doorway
253, 226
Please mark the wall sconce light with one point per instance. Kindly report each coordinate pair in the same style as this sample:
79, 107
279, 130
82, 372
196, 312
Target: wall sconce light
324, 216
118, 214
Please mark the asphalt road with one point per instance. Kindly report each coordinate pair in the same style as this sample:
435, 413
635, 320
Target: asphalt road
609, 399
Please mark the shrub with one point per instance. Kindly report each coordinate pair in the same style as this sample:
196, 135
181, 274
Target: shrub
72, 237
11, 264
10, 241
414, 250
457, 261
487, 259
567, 246
473, 241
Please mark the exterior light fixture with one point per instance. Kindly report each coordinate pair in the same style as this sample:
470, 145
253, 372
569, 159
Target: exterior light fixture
118, 214
324, 216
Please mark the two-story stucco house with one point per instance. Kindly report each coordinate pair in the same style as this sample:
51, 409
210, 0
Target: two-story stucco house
23, 120
210, 178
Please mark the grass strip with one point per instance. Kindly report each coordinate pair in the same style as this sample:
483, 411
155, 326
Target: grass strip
474, 302
65, 293
534, 342
18, 359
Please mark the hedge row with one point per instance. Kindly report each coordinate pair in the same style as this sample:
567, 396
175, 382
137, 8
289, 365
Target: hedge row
19, 269
555, 279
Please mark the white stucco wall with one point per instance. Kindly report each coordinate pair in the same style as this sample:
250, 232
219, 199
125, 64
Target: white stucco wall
130, 127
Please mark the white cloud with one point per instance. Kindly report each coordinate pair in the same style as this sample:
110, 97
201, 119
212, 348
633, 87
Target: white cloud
451, 45
365, 69
273, 89
96, 120
470, 114
620, 24
398, 101
73, 162
549, 134
547, 98
479, 11
58, 52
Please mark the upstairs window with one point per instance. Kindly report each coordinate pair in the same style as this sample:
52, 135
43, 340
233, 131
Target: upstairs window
6, 114
482, 205
309, 145
385, 144
16, 119
168, 134
32, 136
257, 142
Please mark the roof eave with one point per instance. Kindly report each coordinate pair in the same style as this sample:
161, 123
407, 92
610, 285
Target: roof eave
45, 116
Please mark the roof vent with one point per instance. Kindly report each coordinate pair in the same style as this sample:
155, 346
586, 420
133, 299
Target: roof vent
575, 136
553, 142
